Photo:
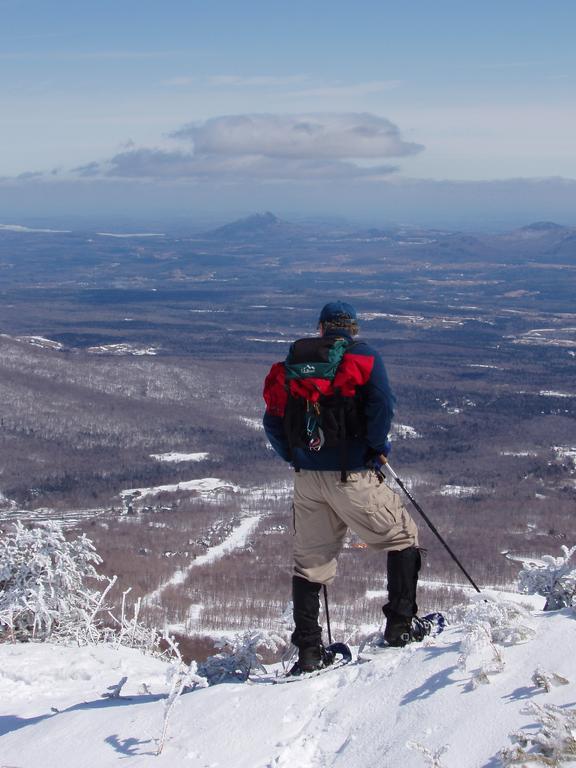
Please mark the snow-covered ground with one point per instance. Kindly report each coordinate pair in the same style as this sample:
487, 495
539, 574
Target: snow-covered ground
38, 341
20, 228
252, 423
405, 432
130, 234
176, 457
565, 453
53, 714
205, 485
122, 349
460, 491
553, 393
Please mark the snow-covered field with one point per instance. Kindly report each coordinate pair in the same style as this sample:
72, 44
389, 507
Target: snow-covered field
176, 457
405, 432
40, 341
122, 349
130, 234
565, 453
460, 491
53, 714
20, 228
206, 485
252, 423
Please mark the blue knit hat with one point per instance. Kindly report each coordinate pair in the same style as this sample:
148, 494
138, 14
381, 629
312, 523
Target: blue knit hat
337, 311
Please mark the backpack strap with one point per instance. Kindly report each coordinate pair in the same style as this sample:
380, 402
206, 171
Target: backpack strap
343, 445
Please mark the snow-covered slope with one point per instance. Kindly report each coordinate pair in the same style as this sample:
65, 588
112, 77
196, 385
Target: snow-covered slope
360, 716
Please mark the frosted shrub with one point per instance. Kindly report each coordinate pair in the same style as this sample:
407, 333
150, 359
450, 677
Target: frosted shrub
103, 626
507, 622
42, 581
43, 593
546, 680
486, 623
182, 677
239, 657
553, 577
554, 743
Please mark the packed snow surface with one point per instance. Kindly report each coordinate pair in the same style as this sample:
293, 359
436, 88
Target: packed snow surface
53, 714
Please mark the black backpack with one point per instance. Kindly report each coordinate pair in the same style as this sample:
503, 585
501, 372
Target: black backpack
323, 409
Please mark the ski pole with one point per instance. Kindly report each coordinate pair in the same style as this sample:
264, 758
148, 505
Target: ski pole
327, 616
429, 523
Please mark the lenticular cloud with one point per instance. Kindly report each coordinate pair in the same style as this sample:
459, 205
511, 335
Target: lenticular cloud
344, 135
240, 148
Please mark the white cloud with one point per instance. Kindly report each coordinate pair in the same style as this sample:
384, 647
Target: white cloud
330, 135
262, 147
163, 164
239, 148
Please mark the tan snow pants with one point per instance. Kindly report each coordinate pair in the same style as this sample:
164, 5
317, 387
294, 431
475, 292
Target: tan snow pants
324, 509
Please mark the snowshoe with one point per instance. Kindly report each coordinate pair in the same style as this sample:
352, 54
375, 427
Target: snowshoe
339, 654
317, 658
421, 626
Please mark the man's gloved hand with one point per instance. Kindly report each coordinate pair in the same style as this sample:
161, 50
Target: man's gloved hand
378, 462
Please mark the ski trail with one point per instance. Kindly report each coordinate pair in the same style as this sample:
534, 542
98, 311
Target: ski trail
236, 539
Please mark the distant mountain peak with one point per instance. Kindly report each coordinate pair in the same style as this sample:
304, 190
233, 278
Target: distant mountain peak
257, 225
266, 219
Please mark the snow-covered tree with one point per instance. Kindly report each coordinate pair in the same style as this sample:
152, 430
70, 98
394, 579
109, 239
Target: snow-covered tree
44, 593
43, 581
552, 577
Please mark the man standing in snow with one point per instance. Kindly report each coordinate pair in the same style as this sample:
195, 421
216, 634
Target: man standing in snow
336, 486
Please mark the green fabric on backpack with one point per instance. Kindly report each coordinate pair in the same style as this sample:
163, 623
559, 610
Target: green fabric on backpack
318, 369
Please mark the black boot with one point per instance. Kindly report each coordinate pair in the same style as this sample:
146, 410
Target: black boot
307, 635
403, 568
306, 608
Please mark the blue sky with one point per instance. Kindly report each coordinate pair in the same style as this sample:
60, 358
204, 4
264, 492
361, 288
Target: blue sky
327, 103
